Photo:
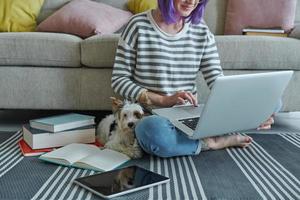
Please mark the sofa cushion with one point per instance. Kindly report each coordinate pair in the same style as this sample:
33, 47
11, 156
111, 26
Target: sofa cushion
39, 49
214, 15
99, 51
258, 52
19, 15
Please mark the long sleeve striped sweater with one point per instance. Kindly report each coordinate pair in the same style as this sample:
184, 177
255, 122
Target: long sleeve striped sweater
148, 58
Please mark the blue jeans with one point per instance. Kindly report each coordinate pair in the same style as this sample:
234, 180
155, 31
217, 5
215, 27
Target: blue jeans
158, 136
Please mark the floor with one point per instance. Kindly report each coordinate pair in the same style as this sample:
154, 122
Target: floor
12, 120
275, 154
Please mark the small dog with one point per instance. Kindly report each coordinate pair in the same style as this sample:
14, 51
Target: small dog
116, 131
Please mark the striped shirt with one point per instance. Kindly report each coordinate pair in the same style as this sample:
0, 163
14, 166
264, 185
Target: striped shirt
148, 58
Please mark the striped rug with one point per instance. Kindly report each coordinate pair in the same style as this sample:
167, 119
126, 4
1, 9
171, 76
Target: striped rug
268, 169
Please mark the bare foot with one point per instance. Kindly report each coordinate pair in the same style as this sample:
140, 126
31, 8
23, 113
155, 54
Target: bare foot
221, 142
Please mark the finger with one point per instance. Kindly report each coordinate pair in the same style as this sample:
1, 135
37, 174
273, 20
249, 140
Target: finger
193, 98
271, 120
187, 96
184, 96
268, 122
264, 127
265, 124
180, 101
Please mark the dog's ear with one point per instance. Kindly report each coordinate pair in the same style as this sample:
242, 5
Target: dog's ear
116, 104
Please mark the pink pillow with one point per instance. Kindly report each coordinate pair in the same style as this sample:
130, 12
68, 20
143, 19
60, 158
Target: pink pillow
85, 18
259, 14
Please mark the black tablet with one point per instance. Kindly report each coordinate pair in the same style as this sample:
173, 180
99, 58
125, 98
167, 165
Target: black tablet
121, 181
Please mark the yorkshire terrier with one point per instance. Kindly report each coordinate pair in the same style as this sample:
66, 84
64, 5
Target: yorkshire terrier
116, 131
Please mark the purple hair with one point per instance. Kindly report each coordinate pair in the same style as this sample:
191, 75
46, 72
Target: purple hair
170, 16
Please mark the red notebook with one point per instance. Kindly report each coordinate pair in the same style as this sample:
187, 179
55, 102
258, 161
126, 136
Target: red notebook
28, 151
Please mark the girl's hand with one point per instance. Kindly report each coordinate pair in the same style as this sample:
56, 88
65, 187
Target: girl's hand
179, 98
168, 101
267, 124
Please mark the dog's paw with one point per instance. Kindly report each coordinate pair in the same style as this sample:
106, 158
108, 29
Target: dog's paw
135, 143
137, 151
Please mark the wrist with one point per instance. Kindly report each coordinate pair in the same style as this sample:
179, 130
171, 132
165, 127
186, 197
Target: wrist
144, 98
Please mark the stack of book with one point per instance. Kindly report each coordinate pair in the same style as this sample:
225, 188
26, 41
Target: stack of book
45, 134
277, 32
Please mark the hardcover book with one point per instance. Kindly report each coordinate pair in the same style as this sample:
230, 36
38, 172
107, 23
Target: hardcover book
86, 156
277, 32
264, 30
267, 34
62, 122
28, 151
39, 139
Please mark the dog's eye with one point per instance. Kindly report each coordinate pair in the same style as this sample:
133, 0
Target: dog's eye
125, 115
138, 115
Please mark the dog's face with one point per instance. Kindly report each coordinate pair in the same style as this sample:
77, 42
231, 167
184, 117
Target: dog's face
127, 114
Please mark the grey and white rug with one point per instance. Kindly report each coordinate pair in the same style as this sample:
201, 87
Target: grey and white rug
268, 169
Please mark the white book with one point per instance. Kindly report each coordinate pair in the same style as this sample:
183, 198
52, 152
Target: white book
62, 122
263, 30
40, 139
86, 156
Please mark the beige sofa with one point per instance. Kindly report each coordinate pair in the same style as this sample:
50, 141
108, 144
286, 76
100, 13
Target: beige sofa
62, 71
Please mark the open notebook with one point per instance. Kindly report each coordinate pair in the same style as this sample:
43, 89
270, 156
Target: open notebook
86, 156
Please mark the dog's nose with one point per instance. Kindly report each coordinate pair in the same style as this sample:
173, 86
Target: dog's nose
130, 124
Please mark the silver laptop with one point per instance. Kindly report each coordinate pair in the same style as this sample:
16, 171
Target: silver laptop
235, 103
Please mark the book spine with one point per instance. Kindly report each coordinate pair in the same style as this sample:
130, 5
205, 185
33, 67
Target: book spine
264, 30
47, 140
72, 125
267, 34
27, 136
41, 126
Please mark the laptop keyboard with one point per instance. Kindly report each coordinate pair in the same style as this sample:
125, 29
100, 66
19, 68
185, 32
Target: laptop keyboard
190, 122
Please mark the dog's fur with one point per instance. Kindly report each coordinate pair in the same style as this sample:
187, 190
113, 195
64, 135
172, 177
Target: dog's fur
116, 131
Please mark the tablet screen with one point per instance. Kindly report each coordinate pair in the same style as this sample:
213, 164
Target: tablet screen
119, 181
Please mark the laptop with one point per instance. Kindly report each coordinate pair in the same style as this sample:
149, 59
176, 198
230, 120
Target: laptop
236, 103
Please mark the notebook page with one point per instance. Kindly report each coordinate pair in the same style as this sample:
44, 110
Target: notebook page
104, 160
72, 152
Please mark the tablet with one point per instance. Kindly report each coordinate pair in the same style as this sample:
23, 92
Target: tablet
121, 181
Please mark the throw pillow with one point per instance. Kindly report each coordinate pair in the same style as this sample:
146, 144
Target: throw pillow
138, 6
259, 14
85, 18
19, 15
